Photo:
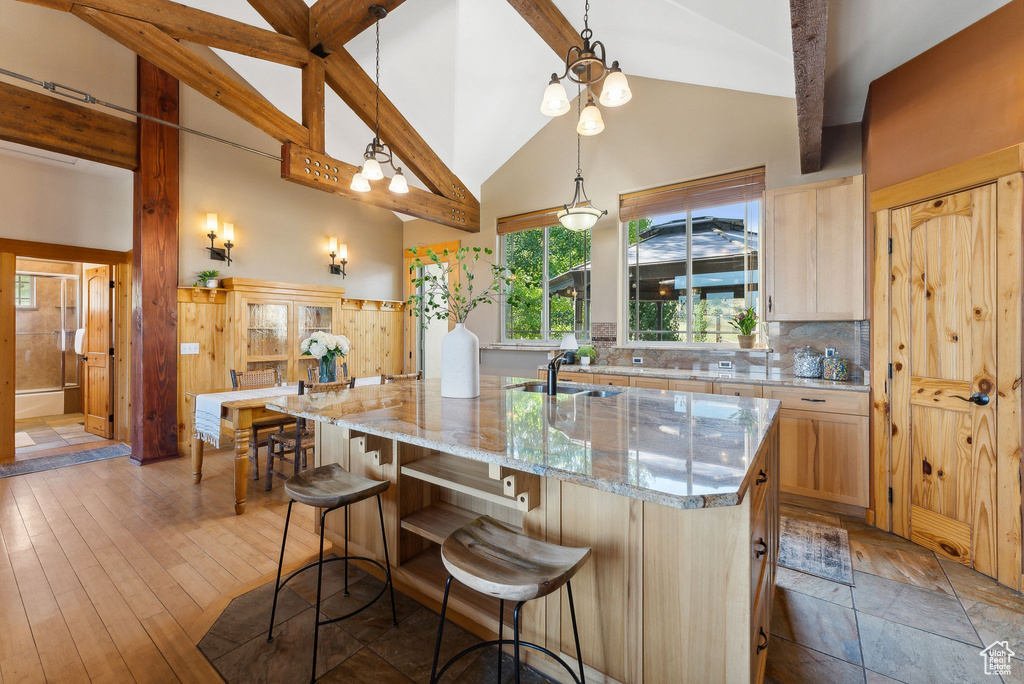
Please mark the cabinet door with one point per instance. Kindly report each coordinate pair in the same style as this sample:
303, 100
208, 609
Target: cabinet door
840, 249
311, 318
617, 380
824, 456
267, 335
789, 262
698, 386
649, 383
734, 389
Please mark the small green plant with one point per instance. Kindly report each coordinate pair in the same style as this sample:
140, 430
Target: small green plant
450, 292
587, 351
203, 276
745, 321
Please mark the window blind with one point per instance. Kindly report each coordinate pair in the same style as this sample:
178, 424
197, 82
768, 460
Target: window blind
730, 188
530, 220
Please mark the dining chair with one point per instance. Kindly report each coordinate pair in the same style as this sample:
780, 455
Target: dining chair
263, 428
313, 372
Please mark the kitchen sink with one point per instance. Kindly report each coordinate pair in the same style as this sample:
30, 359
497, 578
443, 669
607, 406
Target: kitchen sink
598, 393
568, 389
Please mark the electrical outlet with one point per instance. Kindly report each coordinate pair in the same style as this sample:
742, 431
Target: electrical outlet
638, 360
830, 351
189, 348
725, 365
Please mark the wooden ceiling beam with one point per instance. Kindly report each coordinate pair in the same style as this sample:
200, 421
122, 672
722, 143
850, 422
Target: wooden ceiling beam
809, 21
196, 26
50, 123
549, 23
332, 23
154, 45
357, 90
313, 88
299, 165
290, 17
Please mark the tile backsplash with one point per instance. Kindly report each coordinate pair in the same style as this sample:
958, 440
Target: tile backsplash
850, 339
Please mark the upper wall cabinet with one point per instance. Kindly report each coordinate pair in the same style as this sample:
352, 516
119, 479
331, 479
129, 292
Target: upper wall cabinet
814, 252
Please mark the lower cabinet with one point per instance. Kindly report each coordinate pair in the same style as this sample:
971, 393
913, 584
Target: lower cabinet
825, 456
698, 386
735, 389
648, 383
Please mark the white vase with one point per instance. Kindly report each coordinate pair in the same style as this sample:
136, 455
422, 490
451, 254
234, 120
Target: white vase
584, 360
460, 364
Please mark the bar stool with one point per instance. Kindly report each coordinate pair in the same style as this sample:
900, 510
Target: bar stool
496, 560
332, 487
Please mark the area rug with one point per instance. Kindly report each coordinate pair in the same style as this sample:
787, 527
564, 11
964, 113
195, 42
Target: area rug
815, 549
35, 465
22, 439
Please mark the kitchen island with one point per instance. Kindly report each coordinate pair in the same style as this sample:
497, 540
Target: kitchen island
675, 492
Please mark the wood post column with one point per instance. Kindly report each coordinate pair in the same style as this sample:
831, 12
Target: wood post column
154, 364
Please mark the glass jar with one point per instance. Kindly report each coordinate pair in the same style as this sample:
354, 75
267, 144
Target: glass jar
836, 368
807, 363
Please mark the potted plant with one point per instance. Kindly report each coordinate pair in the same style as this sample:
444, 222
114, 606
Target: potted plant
746, 322
207, 279
450, 290
587, 354
327, 349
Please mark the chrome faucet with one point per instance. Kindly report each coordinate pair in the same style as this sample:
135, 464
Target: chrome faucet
553, 365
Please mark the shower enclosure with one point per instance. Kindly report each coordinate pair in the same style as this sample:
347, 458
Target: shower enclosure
48, 312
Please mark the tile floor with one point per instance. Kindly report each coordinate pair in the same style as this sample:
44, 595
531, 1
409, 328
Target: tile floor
50, 432
363, 648
911, 617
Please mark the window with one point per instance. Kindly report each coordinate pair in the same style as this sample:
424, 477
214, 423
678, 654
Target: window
550, 295
692, 259
24, 292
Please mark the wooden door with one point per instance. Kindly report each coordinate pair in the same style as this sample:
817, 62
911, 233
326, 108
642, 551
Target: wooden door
98, 382
944, 375
823, 456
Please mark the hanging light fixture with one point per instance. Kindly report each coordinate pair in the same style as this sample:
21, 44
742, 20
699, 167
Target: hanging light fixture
579, 215
586, 66
378, 152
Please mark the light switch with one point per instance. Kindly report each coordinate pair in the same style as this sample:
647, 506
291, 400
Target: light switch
189, 348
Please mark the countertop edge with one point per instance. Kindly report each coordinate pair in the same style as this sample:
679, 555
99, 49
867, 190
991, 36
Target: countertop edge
854, 385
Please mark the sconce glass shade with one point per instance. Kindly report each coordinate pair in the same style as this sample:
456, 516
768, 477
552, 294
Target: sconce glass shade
359, 183
228, 232
399, 184
616, 90
591, 122
211, 222
569, 342
371, 170
333, 246
555, 102
342, 252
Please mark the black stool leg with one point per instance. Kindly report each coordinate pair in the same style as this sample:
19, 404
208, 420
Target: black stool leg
515, 635
319, 583
346, 552
440, 629
575, 632
501, 633
280, 563
387, 561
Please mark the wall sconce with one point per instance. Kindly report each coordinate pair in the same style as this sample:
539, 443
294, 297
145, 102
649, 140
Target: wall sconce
227, 234
338, 251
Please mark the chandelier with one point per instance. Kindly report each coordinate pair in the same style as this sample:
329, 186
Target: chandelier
377, 152
579, 215
586, 66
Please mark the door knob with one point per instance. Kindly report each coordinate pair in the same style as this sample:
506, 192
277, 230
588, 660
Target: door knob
978, 398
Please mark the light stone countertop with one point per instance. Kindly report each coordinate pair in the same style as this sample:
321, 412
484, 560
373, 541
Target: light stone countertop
758, 377
678, 449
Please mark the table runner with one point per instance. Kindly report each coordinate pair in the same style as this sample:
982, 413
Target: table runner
208, 407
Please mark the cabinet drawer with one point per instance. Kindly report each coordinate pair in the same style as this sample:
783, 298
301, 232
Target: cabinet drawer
760, 550
760, 633
576, 377
617, 380
735, 389
649, 383
698, 386
829, 401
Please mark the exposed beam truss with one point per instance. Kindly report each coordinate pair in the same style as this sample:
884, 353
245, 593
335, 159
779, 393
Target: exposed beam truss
809, 20
555, 30
332, 23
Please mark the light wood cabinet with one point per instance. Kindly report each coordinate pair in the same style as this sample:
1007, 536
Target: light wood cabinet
735, 389
616, 380
698, 386
649, 383
814, 252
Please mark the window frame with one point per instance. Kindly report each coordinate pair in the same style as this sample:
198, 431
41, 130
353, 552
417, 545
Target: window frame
624, 330
546, 337
31, 281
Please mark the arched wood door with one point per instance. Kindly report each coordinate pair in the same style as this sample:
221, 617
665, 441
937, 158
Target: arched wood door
98, 381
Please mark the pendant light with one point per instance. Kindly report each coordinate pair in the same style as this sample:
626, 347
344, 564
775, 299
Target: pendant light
579, 215
587, 67
377, 151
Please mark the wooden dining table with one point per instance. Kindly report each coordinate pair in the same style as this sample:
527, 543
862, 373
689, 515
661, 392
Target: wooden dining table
236, 419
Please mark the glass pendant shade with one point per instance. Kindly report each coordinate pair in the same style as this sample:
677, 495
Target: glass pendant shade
590, 122
555, 102
359, 183
579, 218
616, 90
399, 184
371, 170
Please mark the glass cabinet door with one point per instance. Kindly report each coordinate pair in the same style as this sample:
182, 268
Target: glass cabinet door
312, 318
267, 336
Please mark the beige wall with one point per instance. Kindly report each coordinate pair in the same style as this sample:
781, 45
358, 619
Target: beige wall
668, 132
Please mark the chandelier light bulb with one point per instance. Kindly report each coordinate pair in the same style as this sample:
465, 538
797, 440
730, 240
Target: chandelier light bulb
555, 101
371, 170
590, 122
579, 218
616, 90
359, 182
399, 184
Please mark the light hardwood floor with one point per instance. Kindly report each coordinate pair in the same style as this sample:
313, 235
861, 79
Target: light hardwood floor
112, 572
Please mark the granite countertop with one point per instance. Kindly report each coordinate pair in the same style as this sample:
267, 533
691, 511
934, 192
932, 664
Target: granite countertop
757, 377
678, 449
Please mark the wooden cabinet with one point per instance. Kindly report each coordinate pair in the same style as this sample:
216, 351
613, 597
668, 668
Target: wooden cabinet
824, 452
735, 389
649, 383
698, 386
616, 380
814, 252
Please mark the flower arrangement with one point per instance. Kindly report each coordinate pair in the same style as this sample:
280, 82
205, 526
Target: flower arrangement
327, 348
450, 292
745, 321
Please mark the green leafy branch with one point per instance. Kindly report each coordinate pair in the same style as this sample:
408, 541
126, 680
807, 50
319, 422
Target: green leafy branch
438, 294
